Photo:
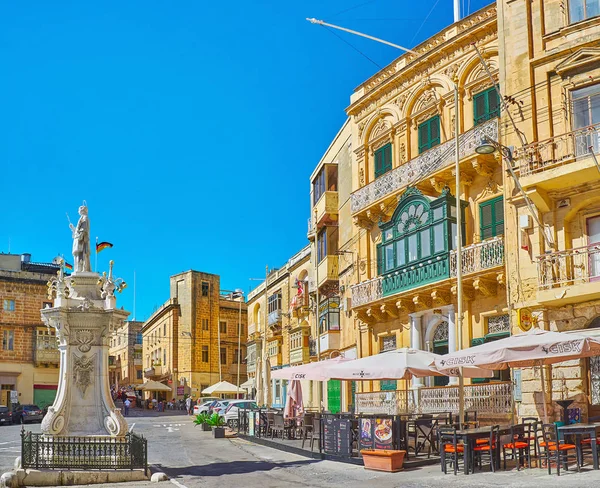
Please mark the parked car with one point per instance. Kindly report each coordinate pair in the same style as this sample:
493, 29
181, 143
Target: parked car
5, 415
202, 408
231, 412
27, 413
218, 406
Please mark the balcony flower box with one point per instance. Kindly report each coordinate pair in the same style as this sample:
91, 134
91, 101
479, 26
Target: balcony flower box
390, 461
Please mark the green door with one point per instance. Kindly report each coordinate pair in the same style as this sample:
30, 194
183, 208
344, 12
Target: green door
43, 397
334, 389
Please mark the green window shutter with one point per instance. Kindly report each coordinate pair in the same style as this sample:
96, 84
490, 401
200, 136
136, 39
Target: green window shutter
429, 134
334, 388
383, 160
491, 218
486, 106
380, 268
387, 385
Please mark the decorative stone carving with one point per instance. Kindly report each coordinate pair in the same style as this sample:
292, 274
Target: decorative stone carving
375, 314
363, 222
85, 339
438, 183
422, 302
390, 310
402, 153
440, 297
83, 369
381, 127
81, 241
487, 288
364, 317
465, 178
405, 305
361, 177
482, 168
468, 291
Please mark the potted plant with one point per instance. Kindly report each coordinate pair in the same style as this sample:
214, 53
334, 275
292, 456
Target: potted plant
202, 419
217, 422
383, 460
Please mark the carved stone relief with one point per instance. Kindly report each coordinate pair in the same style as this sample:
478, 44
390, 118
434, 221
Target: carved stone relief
83, 371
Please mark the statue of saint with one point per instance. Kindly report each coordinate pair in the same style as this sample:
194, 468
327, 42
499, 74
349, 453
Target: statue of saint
81, 241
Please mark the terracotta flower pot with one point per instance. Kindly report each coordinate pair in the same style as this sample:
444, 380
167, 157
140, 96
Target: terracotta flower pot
390, 461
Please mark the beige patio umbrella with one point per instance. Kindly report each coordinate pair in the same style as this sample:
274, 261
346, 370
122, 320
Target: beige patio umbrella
536, 347
221, 388
259, 384
152, 385
267, 383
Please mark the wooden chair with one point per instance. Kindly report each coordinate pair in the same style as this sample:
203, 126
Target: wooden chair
518, 445
489, 448
307, 426
556, 450
531, 429
451, 451
315, 433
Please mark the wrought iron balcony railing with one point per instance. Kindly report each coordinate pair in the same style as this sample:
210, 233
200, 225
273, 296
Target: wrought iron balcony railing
558, 150
422, 166
570, 267
486, 399
478, 257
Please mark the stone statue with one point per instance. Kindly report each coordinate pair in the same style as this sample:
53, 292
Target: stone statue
81, 241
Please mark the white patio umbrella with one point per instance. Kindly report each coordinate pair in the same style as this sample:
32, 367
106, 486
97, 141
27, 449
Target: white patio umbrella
151, 385
533, 348
316, 371
267, 390
220, 388
259, 384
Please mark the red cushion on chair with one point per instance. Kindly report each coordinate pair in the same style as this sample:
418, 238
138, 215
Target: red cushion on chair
589, 440
516, 445
562, 447
450, 448
543, 444
485, 447
482, 441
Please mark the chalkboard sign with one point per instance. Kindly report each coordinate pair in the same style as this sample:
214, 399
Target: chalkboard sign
343, 429
329, 436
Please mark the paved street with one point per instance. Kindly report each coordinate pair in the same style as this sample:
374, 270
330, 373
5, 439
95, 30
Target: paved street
192, 458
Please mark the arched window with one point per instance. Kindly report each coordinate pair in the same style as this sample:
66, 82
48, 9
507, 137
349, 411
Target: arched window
416, 241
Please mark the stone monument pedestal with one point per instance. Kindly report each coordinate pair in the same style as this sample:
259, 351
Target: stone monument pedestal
84, 316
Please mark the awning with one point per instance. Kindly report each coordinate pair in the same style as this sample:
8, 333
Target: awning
247, 385
151, 385
222, 387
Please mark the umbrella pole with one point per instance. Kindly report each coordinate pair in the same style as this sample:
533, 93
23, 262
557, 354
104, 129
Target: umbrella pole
461, 398
544, 392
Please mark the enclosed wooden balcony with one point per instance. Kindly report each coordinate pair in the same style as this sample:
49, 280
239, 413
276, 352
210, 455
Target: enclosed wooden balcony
46, 350
433, 283
327, 209
328, 269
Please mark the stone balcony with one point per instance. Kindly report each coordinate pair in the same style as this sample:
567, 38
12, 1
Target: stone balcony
432, 283
560, 162
369, 203
569, 276
329, 341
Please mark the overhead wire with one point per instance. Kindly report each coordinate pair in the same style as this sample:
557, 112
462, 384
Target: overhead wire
424, 21
352, 46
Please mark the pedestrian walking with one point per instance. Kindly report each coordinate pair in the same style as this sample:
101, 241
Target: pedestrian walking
188, 405
126, 404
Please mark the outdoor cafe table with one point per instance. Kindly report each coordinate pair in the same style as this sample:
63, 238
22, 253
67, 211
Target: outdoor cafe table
579, 430
470, 436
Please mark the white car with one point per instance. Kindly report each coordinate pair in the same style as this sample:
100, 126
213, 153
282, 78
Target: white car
202, 408
231, 412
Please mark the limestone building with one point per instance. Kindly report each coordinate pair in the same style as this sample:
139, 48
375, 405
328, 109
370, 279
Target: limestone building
550, 76
29, 357
125, 360
191, 342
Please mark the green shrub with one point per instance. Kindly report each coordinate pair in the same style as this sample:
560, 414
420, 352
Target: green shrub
201, 418
215, 420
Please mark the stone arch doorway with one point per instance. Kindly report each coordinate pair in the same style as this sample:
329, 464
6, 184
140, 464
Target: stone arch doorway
440, 346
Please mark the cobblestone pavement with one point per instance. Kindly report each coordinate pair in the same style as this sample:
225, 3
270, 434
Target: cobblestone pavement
192, 458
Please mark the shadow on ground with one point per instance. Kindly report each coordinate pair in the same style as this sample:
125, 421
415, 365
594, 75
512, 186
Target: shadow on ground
233, 467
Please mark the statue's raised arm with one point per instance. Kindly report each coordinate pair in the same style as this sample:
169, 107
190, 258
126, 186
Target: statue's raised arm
81, 241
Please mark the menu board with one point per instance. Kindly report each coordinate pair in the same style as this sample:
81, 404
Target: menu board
366, 433
343, 429
251, 420
383, 431
329, 436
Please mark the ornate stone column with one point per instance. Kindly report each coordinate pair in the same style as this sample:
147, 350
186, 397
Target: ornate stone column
415, 342
452, 338
84, 316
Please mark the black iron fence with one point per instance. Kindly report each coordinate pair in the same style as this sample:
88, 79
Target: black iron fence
41, 451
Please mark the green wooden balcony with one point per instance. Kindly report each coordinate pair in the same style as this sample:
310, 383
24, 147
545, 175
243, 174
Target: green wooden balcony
416, 274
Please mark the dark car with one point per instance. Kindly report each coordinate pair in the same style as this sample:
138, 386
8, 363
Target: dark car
27, 413
5, 415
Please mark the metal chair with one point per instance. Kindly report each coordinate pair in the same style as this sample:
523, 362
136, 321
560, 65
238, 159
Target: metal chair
279, 425
451, 451
518, 445
307, 426
555, 449
489, 448
315, 432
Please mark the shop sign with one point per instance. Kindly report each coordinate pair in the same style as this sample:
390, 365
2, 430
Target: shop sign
524, 319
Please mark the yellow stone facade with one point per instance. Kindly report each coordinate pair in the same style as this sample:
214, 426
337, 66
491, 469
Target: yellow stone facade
125, 355
550, 74
191, 342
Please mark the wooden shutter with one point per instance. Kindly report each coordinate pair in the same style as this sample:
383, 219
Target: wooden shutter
334, 388
491, 218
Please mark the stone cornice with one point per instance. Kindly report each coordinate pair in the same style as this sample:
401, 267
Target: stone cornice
407, 66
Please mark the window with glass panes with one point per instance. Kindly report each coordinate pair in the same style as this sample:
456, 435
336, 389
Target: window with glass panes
319, 186
205, 354
223, 355
583, 9
383, 160
429, 133
586, 112
491, 218
486, 105
321, 245
420, 229
329, 315
223, 327
275, 302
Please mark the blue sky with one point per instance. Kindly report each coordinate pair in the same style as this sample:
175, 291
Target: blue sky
190, 128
